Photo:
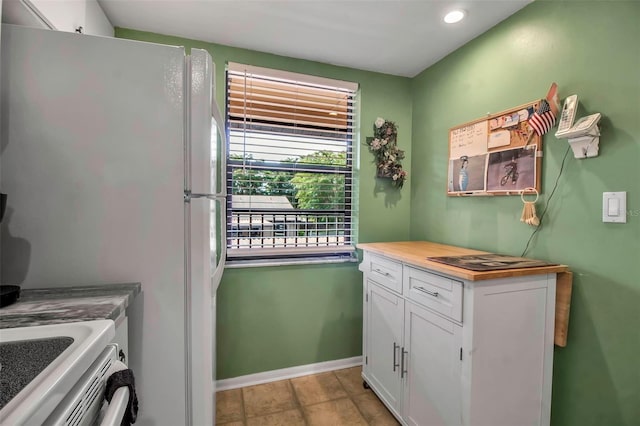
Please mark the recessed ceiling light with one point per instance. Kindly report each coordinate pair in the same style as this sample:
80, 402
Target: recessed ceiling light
454, 16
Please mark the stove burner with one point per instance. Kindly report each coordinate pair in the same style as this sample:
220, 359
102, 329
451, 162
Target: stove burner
21, 361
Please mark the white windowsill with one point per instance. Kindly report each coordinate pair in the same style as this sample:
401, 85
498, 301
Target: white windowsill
257, 263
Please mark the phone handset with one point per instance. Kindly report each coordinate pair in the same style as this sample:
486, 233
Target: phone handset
567, 116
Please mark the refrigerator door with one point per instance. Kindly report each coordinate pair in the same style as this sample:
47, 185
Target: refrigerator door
206, 147
205, 257
93, 162
206, 204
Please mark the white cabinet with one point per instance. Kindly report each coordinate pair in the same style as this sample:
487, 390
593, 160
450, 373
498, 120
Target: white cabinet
432, 368
85, 16
384, 314
61, 15
444, 350
95, 20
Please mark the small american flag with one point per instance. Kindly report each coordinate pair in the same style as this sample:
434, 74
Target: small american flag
543, 119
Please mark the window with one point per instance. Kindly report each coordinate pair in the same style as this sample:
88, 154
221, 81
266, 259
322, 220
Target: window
289, 165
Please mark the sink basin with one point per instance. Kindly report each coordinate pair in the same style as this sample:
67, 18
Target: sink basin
67, 349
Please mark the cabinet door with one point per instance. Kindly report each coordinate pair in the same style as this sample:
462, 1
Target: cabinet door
383, 337
432, 368
61, 15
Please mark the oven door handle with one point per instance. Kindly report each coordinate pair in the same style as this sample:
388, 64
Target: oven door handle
117, 408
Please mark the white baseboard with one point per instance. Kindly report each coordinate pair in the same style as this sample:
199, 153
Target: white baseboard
286, 373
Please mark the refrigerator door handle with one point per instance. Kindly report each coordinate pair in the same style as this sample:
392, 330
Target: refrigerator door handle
216, 276
188, 196
219, 269
223, 237
217, 116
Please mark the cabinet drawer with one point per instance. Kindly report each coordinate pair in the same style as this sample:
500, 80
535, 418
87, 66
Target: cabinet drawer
383, 271
438, 293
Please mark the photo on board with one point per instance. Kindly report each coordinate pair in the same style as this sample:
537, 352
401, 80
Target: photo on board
512, 169
467, 174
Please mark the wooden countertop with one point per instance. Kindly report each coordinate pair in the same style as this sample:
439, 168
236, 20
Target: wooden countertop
416, 253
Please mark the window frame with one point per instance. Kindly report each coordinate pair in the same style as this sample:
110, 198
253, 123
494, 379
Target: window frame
339, 251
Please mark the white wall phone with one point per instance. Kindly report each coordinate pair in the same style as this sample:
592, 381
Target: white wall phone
568, 115
584, 135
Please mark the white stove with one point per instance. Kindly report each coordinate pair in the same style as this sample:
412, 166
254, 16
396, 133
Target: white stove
51, 390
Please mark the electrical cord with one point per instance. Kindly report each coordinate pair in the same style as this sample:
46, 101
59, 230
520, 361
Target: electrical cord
555, 186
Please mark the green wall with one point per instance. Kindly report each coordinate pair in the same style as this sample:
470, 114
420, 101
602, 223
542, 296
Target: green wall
270, 318
277, 317
590, 49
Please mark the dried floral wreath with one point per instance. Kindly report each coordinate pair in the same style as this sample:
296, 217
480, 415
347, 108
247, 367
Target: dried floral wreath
384, 147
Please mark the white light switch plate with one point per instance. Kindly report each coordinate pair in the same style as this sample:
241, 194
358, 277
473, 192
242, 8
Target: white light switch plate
614, 207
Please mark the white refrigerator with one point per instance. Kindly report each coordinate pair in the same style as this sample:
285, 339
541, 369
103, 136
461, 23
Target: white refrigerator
112, 156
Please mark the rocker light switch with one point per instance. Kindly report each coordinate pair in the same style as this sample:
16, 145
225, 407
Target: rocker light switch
614, 207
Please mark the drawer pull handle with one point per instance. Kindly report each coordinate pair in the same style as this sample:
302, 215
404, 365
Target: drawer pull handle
386, 274
430, 293
395, 364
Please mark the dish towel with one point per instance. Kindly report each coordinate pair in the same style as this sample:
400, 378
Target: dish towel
117, 380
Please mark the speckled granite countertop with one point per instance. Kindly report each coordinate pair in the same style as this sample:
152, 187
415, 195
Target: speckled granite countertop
68, 304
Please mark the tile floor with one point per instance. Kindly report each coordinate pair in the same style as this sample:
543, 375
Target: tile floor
334, 398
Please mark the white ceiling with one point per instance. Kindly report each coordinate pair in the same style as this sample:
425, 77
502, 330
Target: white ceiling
399, 37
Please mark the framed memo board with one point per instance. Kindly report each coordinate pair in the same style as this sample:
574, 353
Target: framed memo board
496, 155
